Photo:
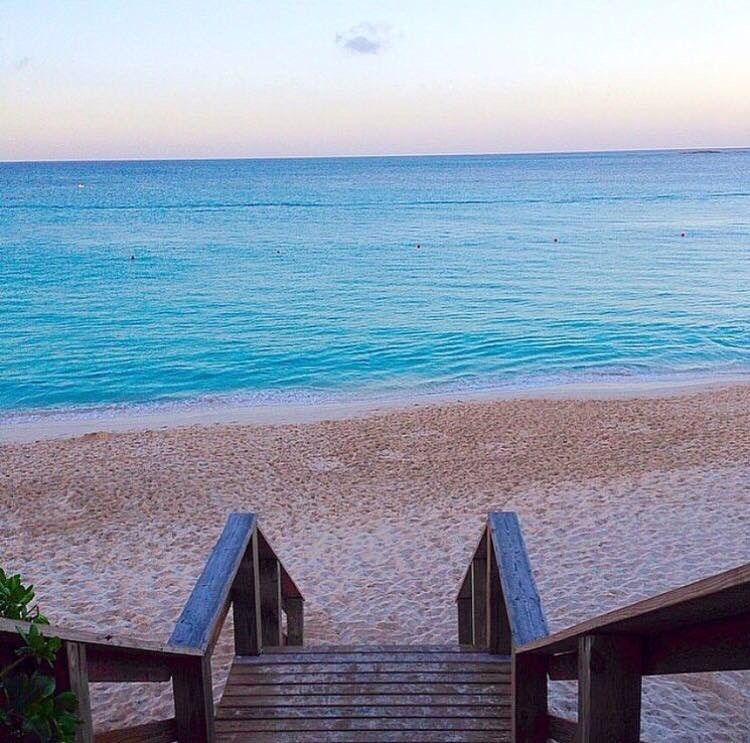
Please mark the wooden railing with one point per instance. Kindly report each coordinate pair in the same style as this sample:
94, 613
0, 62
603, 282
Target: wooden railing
701, 627
242, 571
498, 604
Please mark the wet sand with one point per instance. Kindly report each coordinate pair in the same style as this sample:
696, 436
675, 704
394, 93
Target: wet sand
375, 517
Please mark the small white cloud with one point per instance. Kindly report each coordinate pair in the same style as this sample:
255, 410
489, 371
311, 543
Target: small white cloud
365, 38
19, 64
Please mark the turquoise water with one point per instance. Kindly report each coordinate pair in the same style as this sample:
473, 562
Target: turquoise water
302, 279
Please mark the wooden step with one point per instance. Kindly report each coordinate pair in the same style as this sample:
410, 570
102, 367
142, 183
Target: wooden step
367, 693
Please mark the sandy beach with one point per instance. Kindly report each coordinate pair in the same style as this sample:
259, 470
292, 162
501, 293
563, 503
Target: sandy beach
375, 515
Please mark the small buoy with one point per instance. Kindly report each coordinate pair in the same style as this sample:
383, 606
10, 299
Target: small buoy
132, 257
418, 246
557, 240
682, 234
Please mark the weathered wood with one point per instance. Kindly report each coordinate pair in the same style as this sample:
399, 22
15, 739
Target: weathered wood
124, 665
370, 736
722, 645
354, 723
479, 595
464, 608
246, 602
522, 603
529, 698
295, 620
499, 636
469, 666
716, 598
368, 707
101, 641
239, 686
193, 701
270, 601
163, 731
562, 730
609, 689
77, 681
366, 649
406, 657
200, 622
404, 698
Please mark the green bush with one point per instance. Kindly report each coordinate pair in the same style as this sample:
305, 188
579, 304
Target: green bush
30, 708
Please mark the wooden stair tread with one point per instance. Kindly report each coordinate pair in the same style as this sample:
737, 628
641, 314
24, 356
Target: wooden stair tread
363, 693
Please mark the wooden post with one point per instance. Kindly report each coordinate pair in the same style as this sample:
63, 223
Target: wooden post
529, 698
295, 620
479, 595
246, 603
71, 674
498, 626
463, 604
193, 700
270, 601
609, 689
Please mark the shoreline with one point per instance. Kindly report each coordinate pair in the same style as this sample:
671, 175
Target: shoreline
68, 425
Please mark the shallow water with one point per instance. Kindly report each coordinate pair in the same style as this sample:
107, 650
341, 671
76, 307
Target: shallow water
302, 279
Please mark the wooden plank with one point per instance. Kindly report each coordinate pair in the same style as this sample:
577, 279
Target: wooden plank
246, 602
722, 645
163, 731
366, 649
407, 698
193, 701
377, 736
370, 667
499, 637
465, 620
200, 622
270, 601
479, 598
562, 730
125, 665
716, 598
103, 641
295, 620
364, 711
323, 659
609, 689
78, 682
529, 698
383, 723
522, 602
367, 683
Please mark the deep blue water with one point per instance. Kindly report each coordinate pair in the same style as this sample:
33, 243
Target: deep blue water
295, 279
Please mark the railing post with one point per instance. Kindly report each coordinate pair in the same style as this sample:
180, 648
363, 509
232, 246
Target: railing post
295, 620
270, 597
465, 621
609, 689
71, 674
528, 689
498, 626
479, 595
246, 603
193, 700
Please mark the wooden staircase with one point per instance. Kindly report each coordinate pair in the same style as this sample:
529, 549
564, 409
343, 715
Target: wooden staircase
280, 690
367, 693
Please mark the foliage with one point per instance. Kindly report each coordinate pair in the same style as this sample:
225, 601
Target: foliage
30, 710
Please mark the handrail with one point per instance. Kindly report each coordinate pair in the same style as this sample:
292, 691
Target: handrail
203, 615
719, 597
243, 572
704, 626
498, 602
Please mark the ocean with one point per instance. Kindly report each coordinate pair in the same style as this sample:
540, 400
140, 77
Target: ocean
186, 282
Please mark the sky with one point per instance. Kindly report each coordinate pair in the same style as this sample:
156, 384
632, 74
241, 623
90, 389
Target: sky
168, 79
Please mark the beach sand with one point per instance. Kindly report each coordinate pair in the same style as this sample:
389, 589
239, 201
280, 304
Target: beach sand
376, 516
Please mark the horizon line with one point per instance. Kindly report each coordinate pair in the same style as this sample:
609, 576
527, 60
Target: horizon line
696, 150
